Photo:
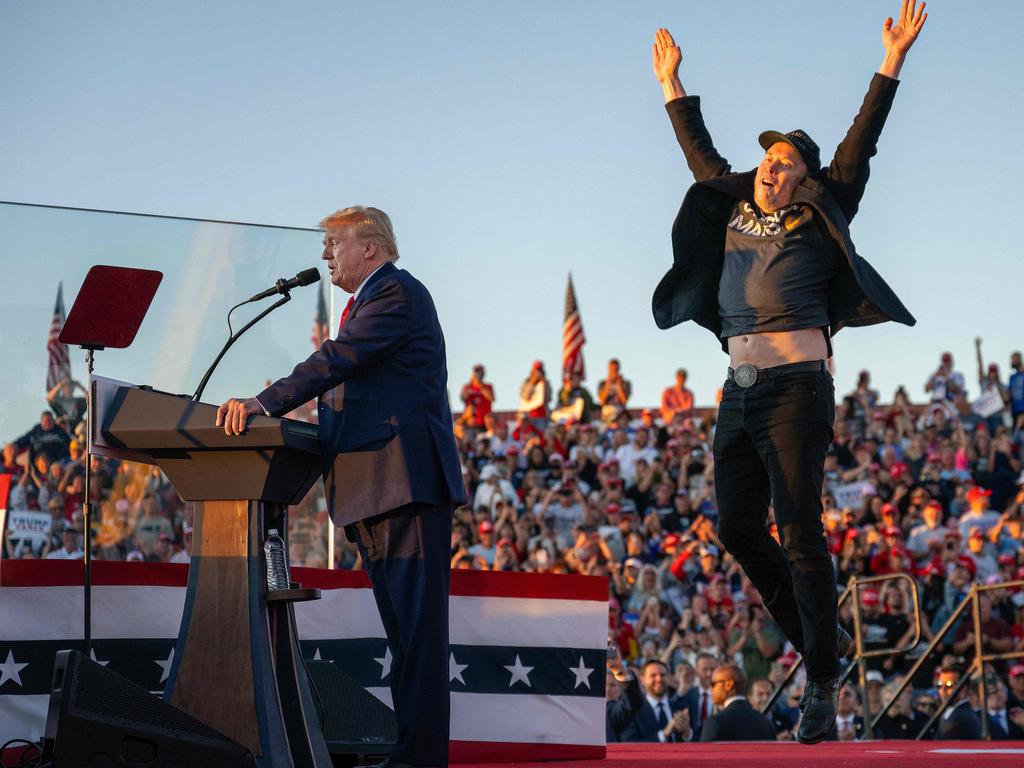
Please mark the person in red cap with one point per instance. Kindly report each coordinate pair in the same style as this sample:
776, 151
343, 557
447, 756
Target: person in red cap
993, 389
1015, 681
478, 397
486, 546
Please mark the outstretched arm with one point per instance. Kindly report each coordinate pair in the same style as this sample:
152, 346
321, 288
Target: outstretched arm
899, 36
848, 173
684, 112
667, 57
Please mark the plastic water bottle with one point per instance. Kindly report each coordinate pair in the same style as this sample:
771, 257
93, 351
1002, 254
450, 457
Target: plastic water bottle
277, 562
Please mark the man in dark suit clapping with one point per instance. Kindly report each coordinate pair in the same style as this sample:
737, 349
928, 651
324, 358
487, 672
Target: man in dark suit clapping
391, 467
660, 718
736, 719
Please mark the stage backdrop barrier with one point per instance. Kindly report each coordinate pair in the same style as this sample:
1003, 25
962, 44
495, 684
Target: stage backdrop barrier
526, 667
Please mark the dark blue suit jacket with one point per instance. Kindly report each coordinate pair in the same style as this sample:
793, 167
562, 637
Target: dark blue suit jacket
644, 726
691, 700
385, 422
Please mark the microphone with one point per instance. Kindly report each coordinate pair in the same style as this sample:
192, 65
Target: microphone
305, 277
282, 286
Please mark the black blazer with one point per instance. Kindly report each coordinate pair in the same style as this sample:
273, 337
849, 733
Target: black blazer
738, 722
644, 726
385, 423
620, 713
961, 725
689, 291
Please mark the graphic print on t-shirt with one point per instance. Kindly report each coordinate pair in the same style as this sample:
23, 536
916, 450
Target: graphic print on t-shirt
748, 221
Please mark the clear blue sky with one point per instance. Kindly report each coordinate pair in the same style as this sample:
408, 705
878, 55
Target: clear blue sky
511, 143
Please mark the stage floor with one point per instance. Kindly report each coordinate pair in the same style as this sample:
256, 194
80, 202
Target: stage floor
871, 754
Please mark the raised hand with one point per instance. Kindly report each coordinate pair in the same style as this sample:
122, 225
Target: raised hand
666, 57
899, 35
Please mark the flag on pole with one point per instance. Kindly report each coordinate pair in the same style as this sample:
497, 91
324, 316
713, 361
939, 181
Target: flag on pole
321, 329
60, 363
572, 335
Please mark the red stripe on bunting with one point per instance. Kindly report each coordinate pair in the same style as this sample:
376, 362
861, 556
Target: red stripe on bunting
510, 752
69, 573
555, 586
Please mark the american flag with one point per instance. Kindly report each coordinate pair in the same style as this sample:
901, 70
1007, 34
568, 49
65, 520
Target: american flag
321, 328
60, 363
572, 335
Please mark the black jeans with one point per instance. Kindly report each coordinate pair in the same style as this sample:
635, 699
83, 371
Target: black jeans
770, 446
406, 553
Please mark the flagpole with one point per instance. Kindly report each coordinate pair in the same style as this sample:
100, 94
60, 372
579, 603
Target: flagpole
330, 523
87, 503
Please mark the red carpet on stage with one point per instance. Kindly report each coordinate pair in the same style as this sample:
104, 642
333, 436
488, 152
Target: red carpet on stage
869, 754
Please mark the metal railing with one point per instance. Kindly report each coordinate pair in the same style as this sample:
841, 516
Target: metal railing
971, 601
852, 591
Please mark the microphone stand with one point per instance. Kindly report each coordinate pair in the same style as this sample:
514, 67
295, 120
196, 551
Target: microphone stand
234, 337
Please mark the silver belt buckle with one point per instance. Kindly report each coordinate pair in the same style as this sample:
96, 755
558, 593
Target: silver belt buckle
745, 375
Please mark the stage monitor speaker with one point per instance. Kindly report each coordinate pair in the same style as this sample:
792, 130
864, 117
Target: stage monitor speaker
355, 722
100, 719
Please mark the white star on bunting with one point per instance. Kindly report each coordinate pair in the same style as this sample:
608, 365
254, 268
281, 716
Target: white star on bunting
316, 656
385, 663
165, 665
582, 674
11, 670
455, 669
92, 655
520, 673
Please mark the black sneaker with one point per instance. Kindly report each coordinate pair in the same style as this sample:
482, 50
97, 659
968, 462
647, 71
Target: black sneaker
819, 716
844, 645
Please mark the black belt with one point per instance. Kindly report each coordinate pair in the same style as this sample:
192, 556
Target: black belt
747, 375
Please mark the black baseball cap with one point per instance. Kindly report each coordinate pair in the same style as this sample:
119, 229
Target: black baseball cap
799, 141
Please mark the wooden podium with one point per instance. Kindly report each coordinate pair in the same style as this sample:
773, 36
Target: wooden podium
237, 665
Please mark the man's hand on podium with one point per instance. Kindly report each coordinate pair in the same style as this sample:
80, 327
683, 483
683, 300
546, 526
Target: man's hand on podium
233, 414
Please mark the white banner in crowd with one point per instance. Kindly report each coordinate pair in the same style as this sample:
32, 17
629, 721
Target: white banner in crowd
526, 667
852, 494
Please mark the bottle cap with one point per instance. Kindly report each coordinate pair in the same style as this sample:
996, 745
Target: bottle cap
273, 531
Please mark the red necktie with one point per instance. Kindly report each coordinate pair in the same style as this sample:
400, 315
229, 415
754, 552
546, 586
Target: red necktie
348, 308
703, 708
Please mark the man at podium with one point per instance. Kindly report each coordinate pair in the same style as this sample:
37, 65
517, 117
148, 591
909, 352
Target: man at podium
391, 467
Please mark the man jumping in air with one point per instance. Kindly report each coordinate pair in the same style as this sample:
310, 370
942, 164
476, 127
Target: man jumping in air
765, 261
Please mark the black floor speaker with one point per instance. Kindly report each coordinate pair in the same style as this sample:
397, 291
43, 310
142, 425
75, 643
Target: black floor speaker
100, 719
355, 722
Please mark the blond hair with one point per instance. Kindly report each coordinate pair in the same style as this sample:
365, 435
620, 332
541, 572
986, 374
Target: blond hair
371, 224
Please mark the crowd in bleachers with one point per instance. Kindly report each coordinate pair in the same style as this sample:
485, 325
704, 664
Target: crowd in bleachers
582, 482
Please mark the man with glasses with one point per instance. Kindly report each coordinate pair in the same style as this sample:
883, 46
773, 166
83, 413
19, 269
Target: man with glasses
958, 723
736, 720
765, 261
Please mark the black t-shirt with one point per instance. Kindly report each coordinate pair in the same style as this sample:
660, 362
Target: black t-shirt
775, 273
882, 631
